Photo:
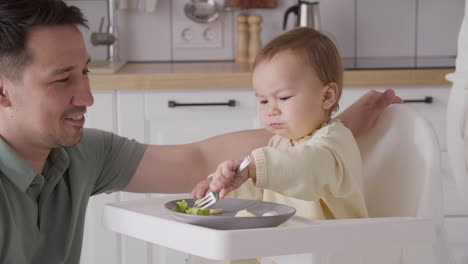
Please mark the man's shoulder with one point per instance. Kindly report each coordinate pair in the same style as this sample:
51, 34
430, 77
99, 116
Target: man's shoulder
91, 140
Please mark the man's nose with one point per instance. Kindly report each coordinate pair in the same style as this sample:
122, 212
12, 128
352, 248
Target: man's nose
83, 95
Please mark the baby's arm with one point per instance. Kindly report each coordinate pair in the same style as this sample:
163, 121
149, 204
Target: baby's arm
328, 163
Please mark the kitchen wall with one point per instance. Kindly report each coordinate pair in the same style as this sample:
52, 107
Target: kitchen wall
369, 33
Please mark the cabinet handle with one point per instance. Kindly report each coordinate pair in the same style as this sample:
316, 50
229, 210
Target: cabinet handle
173, 104
426, 100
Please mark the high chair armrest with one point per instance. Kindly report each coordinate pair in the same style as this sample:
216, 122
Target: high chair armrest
334, 235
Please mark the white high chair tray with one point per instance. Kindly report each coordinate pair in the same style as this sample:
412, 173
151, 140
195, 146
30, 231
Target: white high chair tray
149, 221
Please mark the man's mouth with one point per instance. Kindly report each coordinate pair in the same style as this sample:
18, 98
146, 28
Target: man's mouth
77, 117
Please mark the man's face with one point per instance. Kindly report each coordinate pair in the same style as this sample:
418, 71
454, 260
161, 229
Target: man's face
48, 103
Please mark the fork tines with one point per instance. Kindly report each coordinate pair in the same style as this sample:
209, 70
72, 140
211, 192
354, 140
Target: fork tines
206, 201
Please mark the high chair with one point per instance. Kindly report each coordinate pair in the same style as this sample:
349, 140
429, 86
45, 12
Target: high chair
401, 164
403, 191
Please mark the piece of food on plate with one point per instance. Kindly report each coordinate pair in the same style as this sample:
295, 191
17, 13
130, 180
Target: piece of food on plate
197, 211
244, 213
216, 211
272, 213
182, 207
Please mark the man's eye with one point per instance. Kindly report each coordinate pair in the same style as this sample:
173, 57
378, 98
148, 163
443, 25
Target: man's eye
285, 98
86, 71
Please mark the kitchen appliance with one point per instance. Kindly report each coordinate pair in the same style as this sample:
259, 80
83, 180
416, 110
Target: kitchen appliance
202, 11
109, 39
307, 13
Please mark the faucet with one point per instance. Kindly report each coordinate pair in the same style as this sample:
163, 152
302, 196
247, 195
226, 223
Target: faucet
108, 38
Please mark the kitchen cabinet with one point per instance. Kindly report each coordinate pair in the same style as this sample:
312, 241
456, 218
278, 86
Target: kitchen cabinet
146, 116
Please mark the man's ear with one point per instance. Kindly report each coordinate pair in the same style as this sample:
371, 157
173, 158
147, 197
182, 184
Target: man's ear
4, 95
329, 96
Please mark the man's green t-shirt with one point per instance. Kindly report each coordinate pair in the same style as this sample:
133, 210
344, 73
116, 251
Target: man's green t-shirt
42, 214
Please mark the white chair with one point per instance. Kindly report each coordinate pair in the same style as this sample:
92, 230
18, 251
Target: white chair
403, 189
401, 161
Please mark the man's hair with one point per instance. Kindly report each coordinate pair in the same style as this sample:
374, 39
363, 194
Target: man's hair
316, 48
17, 17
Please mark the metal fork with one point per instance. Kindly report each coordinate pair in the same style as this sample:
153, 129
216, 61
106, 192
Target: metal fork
211, 198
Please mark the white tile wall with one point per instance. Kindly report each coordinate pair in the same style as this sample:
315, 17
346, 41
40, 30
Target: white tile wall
338, 18
220, 47
386, 28
438, 23
146, 36
272, 23
93, 11
395, 29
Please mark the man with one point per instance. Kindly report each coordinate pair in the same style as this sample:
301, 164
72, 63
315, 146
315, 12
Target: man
50, 165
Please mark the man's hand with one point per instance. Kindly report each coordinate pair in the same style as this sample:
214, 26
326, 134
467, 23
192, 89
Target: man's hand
226, 179
361, 116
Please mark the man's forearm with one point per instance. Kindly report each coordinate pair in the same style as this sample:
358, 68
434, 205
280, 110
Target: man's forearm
177, 168
236, 145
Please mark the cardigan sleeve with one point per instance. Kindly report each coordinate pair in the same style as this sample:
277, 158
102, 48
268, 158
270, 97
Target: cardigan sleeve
329, 162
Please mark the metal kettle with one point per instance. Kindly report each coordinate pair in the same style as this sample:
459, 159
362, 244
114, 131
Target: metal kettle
307, 13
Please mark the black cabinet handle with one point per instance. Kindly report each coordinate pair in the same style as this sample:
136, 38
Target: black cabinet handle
426, 100
173, 104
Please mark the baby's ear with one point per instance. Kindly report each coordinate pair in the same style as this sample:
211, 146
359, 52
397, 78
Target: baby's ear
329, 96
4, 98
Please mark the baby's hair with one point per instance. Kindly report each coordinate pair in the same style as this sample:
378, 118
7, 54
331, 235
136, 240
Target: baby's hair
318, 50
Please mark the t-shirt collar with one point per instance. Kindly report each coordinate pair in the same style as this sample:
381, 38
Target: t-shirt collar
14, 167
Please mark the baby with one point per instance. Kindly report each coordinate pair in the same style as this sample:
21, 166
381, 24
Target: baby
312, 162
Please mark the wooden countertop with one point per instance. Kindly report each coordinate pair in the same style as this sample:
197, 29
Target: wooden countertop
219, 75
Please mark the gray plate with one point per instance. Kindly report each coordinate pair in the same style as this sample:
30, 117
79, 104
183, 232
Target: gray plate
227, 220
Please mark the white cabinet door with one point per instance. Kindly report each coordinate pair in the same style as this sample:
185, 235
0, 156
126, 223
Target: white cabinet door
99, 244
434, 111
146, 117
185, 124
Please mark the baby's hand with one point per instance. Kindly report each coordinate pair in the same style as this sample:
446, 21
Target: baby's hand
201, 189
226, 179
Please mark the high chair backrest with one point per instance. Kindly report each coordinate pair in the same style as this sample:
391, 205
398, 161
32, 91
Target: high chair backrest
401, 163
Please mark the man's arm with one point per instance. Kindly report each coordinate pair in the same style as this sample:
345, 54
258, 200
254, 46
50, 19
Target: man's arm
178, 168
361, 116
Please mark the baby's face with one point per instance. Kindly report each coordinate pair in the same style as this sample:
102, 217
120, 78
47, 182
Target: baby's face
290, 95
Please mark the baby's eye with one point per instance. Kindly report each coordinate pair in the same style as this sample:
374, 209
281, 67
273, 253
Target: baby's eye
285, 98
62, 80
263, 101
